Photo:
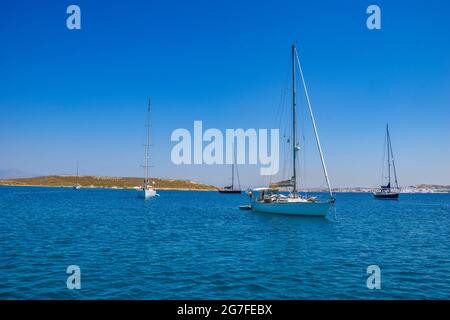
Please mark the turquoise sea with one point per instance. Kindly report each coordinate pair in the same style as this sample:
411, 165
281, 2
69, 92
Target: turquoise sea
199, 245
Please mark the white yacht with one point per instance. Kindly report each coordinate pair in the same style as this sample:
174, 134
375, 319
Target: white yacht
272, 200
77, 185
147, 191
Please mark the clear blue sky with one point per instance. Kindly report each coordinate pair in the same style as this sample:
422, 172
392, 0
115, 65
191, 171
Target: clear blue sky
82, 95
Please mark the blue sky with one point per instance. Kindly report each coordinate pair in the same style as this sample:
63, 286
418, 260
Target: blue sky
82, 95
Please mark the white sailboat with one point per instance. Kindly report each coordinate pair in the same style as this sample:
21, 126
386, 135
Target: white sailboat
77, 185
270, 200
147, 191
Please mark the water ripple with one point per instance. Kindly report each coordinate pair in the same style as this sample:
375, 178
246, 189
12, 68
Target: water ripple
198, 245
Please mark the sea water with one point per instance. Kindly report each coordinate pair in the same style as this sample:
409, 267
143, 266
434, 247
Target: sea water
199, 245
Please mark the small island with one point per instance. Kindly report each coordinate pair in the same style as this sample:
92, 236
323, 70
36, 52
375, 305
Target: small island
105, 182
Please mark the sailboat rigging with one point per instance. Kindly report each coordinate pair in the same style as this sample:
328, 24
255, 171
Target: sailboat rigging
270, 200
147, 191
386, 191
77, 184
232, 189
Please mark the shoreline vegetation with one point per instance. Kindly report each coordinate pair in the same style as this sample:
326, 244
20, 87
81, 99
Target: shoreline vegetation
106, 182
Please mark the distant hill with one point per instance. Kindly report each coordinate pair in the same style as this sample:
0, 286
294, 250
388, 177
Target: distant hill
105, 182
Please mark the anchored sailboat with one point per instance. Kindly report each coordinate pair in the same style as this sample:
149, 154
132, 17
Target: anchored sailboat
147, 191
231, 189
270, 200
77, 185
386, 191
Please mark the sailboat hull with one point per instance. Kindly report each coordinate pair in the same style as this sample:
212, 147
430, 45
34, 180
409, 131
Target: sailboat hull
230, 191
386, 196
147, 193
318, 209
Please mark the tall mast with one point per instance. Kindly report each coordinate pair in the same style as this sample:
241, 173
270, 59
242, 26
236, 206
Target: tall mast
77, 172
294, 123
392, 160
147, 145
388, 155
232, 176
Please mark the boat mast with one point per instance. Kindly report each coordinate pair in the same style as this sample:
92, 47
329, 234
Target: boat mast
147, 146
322, 159
388, 155
294, 123
392, 158
232, 176
77, 172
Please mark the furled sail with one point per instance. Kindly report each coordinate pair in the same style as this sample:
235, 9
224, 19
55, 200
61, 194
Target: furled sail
283, 184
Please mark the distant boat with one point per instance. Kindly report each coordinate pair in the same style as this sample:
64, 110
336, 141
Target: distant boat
231, 189
386, 192
270, 200
147, 191
77, 185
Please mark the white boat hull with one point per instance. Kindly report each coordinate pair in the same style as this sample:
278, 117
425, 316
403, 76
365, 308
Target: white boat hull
319, 209
147, 193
